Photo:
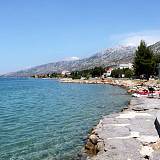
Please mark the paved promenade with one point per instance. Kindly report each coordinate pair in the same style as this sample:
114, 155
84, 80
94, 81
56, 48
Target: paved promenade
131, 134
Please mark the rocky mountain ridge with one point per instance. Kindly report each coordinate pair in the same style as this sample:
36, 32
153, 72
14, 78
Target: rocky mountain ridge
155, 48
107, 57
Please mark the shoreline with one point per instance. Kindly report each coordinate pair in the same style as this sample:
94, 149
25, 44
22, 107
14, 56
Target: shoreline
125, 83
131, 134
127, 135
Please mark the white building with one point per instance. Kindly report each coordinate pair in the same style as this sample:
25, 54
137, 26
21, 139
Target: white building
108, 72
65, 72
125, 65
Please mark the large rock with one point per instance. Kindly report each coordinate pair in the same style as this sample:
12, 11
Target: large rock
93, 138
91, 148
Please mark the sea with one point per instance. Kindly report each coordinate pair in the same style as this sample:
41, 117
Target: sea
43, 119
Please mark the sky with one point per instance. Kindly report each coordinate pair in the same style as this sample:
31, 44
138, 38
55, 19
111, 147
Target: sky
35, 32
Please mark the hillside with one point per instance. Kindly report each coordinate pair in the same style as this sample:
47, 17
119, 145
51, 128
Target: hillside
156, 48
106, 57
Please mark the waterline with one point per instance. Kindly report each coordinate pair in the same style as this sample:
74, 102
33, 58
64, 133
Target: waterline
44, 119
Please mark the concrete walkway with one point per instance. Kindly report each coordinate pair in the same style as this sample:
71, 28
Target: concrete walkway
129, 135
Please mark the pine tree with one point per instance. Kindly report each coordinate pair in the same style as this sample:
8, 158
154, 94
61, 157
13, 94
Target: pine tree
144, 61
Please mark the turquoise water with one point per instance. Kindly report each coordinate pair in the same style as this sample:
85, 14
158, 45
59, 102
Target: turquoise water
48, 120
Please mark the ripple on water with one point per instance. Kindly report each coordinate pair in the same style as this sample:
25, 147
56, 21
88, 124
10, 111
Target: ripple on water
47, 120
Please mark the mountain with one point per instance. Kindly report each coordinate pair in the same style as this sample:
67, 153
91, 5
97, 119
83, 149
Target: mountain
110, 56
155, 48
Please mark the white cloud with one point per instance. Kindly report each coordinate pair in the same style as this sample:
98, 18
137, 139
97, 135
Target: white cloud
133, 39
71, 58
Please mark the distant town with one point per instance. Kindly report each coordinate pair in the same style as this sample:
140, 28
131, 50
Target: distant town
117, 71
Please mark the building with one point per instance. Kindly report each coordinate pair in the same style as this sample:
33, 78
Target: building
125, 65
65, 72
108, 72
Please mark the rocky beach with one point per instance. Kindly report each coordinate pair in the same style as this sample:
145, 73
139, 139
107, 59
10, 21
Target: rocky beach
132, 134
129, 135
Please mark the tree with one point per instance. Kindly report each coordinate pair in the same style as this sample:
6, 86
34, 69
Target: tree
128, 73
157, 58
117, 73
144, 61
97, 72
75, 75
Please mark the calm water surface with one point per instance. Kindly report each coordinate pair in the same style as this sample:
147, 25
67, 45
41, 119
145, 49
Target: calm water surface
47, 120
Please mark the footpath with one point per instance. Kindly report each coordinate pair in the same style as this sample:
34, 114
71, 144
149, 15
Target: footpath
132, 134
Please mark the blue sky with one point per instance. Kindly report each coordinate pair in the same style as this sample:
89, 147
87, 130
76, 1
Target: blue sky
34, 32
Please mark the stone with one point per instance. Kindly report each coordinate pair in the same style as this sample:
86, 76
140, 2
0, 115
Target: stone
91, 148
156, 146
139, 109
93, 138
100, 146
148, 139
146, 151
124, 108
